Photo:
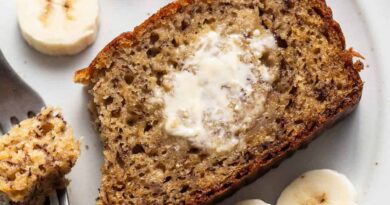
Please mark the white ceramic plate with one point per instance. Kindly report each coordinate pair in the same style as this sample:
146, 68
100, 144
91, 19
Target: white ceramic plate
357, 146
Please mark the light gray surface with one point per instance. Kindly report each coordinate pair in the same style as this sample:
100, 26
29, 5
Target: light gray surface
355, 147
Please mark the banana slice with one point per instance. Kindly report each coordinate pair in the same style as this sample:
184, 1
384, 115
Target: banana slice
58, 27
319, 187
252, 202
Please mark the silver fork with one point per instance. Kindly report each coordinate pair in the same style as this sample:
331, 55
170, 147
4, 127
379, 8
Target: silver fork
17, 102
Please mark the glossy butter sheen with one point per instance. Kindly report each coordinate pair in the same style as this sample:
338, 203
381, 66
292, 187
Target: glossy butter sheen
210, 89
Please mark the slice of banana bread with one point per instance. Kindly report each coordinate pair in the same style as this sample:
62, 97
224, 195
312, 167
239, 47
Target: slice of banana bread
34, 158
206, 95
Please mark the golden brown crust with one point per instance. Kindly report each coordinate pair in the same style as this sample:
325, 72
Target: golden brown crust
277, 151
102, 59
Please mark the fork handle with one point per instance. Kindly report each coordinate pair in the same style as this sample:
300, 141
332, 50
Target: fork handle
7, 74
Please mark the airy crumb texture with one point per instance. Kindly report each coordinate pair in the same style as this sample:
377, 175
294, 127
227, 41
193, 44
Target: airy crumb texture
35, 156
315, 83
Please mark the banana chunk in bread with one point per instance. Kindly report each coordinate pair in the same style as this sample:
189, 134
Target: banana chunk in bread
34, 158
207, 95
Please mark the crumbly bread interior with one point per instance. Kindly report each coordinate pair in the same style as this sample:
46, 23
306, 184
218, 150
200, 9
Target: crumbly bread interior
313, 76
35, 156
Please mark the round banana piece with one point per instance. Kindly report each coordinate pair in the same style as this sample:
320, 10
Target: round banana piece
252, 202
319, 187
58, 27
